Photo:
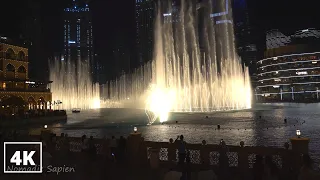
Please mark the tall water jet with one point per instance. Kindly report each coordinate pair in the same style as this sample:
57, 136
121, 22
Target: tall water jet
183, 77
73, 86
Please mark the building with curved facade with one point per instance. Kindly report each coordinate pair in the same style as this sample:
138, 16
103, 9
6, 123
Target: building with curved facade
290, 70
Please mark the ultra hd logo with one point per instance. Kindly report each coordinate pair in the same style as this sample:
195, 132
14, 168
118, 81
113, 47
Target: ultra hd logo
22, 157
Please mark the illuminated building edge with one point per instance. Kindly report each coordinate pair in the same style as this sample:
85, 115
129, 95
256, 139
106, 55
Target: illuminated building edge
14, 80
290, 77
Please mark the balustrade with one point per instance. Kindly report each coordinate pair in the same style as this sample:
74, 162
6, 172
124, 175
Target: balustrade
204, 156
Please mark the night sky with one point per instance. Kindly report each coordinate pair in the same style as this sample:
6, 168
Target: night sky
113, 21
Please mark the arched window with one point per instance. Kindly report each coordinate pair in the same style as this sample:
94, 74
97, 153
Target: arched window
10, 54
21, 69
31, 100
21, 56
10, 68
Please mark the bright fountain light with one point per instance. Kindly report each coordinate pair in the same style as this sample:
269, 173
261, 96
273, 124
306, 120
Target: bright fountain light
96, 104
159, 104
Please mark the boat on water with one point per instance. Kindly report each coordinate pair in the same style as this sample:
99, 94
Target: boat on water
76, 110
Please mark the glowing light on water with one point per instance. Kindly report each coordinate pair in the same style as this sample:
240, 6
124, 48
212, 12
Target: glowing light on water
73, 86
185, 77
159, 104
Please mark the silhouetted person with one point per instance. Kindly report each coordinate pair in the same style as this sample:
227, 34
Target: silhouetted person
258, 168
270, 169
113, 147
223, 160
122, 148
181, 149
171, 151
306, 171
92, 147
46, 158
106, 149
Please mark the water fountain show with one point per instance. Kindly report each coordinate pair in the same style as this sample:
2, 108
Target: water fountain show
193, 69
72, 85
188, 73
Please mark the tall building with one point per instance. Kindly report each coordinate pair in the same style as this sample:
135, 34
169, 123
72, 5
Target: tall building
244, 35
145, 14
78, 40
33, 33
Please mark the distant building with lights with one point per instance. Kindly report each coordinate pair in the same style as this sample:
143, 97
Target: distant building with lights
245, 35
290, 70
78, 39
14, 80
145, 15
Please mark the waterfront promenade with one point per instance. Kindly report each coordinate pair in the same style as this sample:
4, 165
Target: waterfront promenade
139, 159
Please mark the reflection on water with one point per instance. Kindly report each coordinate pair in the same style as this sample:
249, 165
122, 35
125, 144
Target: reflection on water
236, 126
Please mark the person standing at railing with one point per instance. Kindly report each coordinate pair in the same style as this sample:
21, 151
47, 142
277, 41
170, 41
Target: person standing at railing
258, 168
171, 151
223, 160
106, 149
92, 148
122, 148
270, 169
182, 149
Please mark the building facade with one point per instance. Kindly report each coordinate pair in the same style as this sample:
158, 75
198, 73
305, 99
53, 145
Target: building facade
291, 68
78, 39
14, 80
145, 14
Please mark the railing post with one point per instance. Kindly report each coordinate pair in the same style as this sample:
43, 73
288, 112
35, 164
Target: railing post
243, 163
204, 154
134, 145
143, 154
299, 146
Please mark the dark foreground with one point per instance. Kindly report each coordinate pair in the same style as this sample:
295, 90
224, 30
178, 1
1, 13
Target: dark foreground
95, 160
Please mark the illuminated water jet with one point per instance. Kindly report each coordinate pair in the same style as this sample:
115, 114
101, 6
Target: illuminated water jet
73, 86
182, 77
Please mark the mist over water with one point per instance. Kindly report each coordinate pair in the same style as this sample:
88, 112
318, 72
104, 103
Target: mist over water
73, 86
186, 77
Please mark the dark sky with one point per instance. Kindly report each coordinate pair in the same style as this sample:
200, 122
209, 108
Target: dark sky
113, 21
284, 14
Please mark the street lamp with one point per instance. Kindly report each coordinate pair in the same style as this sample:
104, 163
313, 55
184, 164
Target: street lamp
45, 126
298, 132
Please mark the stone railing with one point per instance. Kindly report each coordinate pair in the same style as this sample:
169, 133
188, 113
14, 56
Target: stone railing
209, 154
203, 156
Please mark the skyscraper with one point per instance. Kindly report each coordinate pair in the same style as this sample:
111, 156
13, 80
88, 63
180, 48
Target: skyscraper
244, 34
145, 13
78, 40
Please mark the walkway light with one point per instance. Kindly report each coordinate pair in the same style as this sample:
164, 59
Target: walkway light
298, 132
135, 129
